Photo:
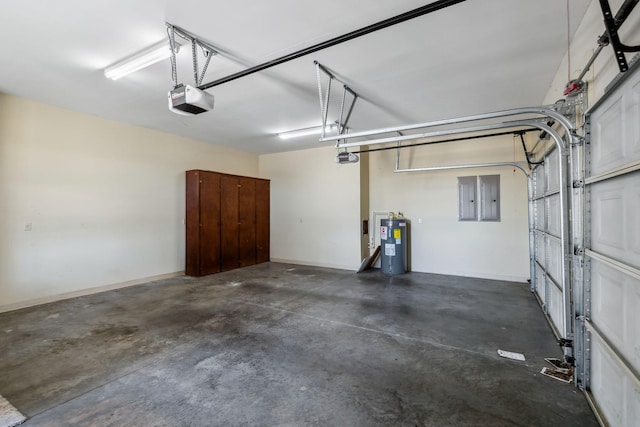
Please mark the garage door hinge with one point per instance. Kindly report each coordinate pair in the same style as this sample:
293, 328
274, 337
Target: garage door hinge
577, 250
577, 140
578, 183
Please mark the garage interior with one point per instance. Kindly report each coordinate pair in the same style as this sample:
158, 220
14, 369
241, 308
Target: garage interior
200, 266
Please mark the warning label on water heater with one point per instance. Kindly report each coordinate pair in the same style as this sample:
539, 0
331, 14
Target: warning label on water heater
383, 233
390, 249
397, 233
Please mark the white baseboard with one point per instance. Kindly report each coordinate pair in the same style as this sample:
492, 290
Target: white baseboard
84, 292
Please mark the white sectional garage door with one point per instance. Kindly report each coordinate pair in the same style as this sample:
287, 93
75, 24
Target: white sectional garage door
612, 253
549, 280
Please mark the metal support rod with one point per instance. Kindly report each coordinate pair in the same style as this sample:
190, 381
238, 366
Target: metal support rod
340, 127
465, 138
518, 165
194, 57
544, 111
320, 97
434, 134
325, 113
324, 104
353, 103
423, 10
590, 62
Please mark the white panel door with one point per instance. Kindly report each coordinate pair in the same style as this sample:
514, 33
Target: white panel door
612, 253
548, 274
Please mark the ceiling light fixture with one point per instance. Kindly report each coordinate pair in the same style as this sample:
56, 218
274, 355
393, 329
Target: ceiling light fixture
316, 130
140, 60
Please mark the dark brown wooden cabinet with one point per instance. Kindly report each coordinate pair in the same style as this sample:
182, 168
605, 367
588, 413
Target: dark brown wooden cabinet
227, 222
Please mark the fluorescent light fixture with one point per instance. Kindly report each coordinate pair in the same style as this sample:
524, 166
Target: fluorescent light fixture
140, 60
316, 130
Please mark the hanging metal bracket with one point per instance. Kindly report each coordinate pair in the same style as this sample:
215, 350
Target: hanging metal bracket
325, 98
613, 24
610, 36
207, 49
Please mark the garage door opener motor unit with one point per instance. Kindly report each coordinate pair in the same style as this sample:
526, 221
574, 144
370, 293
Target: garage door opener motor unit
188, 100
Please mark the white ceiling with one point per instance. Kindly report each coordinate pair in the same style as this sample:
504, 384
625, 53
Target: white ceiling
476, 56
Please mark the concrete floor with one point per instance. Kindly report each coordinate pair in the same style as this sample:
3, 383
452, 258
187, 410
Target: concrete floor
277, 344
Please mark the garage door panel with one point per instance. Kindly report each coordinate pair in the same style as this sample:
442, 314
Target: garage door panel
615, 130
608, 296
539, 215
553, 222
633, 332
633, 411
634, 135
615, 218
608, 127
608, 384
553, 172
540, 245
539, 179
540, 283
612, 246
554, 258
555, 305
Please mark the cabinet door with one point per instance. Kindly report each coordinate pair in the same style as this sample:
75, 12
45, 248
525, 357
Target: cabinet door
192, 221
247, 221
229, 223
262, 220
209, 223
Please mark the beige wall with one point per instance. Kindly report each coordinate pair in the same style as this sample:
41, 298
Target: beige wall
315, 208
105, 200
440, 243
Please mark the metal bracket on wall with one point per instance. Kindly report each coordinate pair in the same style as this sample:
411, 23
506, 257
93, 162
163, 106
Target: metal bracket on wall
613, 24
